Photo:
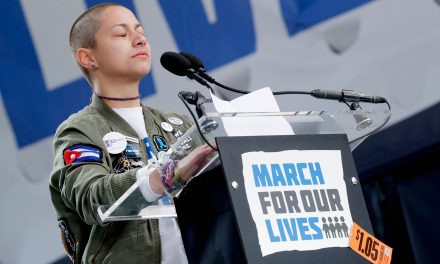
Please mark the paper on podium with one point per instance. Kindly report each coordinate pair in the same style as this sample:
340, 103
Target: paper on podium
261, 100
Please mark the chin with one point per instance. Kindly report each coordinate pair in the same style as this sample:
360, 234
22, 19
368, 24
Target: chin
146, 68
141, 74
143, 71
146, 72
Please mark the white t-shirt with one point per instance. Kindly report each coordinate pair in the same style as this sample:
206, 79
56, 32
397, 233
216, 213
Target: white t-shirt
173, 251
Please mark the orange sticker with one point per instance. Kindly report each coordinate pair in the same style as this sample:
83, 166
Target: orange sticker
369, 247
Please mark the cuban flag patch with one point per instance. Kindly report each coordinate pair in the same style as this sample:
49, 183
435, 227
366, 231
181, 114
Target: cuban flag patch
82, 153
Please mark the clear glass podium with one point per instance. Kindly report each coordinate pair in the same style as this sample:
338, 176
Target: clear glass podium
355, 124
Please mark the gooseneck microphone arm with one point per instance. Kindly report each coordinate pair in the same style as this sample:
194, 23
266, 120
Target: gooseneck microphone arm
199, 67
196, 99
193, 75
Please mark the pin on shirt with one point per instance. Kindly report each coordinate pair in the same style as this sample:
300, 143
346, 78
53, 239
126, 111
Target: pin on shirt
186, 143
122, 165
115, 142
175, 120
178, 133
166, 126
132, 151
160, 143
137, 163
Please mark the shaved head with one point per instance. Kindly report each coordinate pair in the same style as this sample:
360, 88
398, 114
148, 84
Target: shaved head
83, 30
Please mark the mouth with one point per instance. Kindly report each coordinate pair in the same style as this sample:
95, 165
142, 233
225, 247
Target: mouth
141, 54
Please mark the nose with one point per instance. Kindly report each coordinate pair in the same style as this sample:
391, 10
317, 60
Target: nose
140, 40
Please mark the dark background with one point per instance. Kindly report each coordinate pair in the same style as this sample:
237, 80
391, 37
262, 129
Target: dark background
400, 175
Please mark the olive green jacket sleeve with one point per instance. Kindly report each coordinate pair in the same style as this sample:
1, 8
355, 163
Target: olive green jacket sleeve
84, 186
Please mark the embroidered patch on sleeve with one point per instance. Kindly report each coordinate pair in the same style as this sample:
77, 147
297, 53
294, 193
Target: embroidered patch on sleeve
82, 153
67, 238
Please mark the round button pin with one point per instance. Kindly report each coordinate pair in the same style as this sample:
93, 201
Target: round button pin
115, 142
166, 126
175, 120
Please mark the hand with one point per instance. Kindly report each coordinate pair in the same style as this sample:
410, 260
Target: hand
189, 165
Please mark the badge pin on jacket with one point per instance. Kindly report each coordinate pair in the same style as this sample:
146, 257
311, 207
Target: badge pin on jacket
115, 142
166, 126
175, 120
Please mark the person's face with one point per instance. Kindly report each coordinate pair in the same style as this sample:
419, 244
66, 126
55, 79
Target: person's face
122, 49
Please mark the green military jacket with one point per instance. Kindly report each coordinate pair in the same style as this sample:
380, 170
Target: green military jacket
79, 188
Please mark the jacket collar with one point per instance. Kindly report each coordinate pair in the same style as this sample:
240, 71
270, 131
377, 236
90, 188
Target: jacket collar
111, 116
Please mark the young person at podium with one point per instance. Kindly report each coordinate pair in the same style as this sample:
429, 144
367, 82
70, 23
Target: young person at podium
102, 150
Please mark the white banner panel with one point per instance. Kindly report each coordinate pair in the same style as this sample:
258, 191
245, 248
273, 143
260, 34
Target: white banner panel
298, 199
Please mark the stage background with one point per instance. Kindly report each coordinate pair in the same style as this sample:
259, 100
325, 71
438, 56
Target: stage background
388, 48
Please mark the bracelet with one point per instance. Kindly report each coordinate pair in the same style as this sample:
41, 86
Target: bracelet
177, 181
170, 176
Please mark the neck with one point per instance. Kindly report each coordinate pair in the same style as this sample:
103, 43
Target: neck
120, 90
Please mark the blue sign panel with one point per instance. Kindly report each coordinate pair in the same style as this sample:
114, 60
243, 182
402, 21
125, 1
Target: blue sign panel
230, 37
299, 15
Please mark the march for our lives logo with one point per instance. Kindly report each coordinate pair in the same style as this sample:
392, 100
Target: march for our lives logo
298, 199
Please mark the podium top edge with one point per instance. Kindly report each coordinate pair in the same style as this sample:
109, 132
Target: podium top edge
300, 113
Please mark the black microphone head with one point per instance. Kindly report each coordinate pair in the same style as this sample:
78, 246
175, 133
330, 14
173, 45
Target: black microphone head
175, 63
195, 62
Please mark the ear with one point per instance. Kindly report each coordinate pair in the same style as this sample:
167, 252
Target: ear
85, 58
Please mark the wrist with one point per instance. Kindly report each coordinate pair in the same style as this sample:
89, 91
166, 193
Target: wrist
155, 181
170, 176
149, 183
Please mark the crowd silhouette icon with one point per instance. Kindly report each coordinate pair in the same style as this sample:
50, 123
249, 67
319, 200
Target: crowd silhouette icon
334, 227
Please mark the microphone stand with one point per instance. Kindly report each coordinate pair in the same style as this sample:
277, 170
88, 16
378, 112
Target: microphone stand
198, 100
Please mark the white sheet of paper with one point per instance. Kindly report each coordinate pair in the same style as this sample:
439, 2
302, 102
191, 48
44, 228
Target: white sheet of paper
261, 100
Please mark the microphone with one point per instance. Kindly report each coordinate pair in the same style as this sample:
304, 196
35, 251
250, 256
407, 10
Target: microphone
198, 65
181, 66
347, 96
175, 63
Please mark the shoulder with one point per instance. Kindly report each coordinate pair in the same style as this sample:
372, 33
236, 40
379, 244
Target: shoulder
84, 120
85, 127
